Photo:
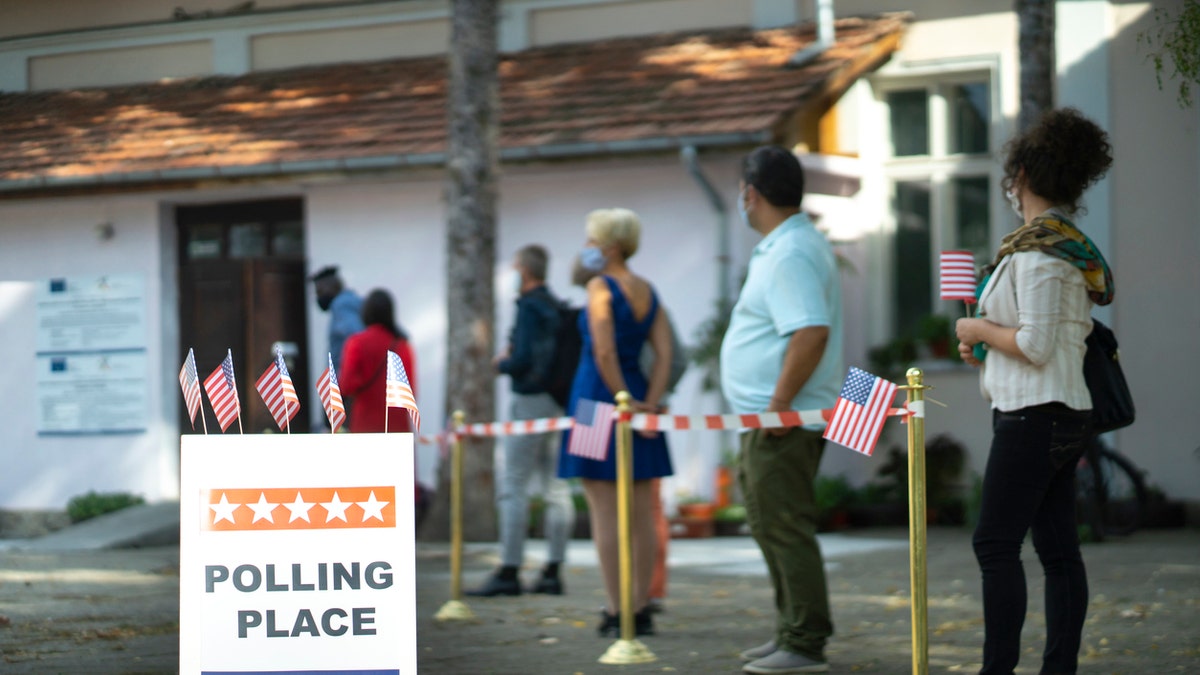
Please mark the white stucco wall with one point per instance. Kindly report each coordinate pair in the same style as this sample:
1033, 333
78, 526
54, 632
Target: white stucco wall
57, 238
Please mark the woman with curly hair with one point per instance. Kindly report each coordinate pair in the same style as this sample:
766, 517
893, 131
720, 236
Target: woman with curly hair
1028, 340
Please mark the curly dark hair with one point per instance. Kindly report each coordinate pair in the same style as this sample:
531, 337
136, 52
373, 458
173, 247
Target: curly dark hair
1061, 155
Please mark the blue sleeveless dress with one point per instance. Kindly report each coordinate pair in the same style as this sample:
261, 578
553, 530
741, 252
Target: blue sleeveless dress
650, 456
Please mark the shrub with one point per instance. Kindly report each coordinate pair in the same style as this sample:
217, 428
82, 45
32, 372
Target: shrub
95, 504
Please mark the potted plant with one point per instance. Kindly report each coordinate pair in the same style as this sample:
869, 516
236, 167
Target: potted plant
730, 521
695, 518
934, 332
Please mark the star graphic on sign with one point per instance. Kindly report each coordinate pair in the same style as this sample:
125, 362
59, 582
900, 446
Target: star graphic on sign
336, 509
299, 509
372, 508
223, 510
263, 509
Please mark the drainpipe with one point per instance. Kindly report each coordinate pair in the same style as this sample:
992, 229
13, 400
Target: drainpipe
825, 36
688, 155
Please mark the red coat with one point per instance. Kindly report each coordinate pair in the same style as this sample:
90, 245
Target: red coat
364, 379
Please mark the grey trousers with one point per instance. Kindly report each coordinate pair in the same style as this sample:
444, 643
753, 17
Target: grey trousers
525, 457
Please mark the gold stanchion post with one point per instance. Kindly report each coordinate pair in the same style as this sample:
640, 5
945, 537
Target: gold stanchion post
916, 521
627, 649
455, 609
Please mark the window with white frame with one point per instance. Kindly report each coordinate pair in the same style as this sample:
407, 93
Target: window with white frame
939, 170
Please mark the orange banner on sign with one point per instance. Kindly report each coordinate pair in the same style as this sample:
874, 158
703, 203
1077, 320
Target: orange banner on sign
305, 508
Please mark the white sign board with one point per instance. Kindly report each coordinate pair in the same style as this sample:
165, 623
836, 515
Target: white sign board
91, 355
297, 554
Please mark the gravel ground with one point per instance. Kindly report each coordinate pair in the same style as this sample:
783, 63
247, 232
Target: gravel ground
117, 611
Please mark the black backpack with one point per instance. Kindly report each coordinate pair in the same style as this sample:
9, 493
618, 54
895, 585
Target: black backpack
567, 345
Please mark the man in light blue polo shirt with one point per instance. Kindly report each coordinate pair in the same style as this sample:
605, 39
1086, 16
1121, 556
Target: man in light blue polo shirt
783, 351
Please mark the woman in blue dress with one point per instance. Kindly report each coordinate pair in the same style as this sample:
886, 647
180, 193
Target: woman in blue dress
621, 316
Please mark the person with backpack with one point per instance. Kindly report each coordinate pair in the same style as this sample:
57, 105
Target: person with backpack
535, 346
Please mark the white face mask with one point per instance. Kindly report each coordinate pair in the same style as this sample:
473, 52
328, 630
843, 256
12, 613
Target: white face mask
1015, 202
742, 212
515, 282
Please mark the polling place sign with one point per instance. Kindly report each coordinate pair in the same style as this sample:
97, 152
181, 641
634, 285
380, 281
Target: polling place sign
297, 554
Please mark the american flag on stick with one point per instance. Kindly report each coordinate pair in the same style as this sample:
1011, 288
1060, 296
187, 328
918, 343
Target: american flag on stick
221, 388
277, 391
189, 382
331, 396
592, 429
861, 410
958, 276
399, 390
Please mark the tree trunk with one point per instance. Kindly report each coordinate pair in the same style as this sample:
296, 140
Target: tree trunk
1036, 41
471, 253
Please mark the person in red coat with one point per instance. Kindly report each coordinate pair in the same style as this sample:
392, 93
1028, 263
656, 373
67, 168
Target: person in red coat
364, 367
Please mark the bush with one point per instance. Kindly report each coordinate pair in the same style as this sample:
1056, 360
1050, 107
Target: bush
94, 504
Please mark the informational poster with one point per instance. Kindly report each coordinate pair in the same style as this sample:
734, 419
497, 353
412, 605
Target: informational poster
91, 355
297, 554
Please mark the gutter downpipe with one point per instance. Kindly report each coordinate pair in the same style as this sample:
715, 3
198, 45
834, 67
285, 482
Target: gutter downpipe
825, 36
688, 155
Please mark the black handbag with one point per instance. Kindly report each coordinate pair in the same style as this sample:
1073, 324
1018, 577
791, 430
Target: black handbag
1112, 404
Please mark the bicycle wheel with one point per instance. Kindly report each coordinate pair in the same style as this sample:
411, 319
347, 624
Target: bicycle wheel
1089, 500
1123, 493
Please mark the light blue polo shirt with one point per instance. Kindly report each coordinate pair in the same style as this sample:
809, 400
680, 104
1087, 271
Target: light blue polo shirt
792, 283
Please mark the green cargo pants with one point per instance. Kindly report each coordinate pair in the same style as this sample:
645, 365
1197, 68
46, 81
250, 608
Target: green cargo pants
777, 475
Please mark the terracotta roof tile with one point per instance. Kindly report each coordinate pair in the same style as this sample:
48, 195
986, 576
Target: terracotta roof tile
623, 90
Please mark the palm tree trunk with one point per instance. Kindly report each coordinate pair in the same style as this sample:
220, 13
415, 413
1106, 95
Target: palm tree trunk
471, 254
1036, 42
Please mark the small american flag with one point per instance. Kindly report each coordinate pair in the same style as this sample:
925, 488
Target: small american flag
189, 382
592, 429
331, 396
399, 391
958, 276
277, 391
861, 410
221, 388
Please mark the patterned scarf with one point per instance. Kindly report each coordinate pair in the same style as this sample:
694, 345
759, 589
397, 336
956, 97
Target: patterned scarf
1052, 234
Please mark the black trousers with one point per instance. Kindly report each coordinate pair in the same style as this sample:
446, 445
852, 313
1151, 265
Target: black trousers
1029, 484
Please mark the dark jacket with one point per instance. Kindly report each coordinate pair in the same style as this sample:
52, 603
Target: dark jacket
531, 342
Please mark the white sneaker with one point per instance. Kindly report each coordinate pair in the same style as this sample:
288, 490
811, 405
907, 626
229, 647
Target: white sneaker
783, 662
765, 649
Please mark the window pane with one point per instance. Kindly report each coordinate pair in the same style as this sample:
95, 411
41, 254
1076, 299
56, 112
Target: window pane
972, 225
204, 241
913, 269
969, 117
909, 112
287, 239
247, 240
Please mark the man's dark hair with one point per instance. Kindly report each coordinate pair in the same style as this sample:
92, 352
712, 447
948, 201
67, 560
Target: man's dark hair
776, 174
535, 260
377, 309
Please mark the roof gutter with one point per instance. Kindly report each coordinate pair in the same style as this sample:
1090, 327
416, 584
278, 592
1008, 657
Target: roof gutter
380, 163
825, 36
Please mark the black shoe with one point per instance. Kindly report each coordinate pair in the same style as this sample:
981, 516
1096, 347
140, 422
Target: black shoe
497, 585
548, 586
610, 625
656, 606
643, 622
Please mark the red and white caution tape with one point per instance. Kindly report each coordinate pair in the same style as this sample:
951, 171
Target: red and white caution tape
649, 422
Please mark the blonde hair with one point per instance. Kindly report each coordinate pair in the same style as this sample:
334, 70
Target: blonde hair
615, 226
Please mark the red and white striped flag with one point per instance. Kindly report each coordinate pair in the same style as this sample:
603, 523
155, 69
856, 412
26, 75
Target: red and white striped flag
399, 390
861, 410
958, 276
277, 391
592, 429
189, 382
221, 388
331, 396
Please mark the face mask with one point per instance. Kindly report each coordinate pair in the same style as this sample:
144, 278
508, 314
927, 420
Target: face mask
515, 282
745, 216
324, 301
1015, 202
592, 258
